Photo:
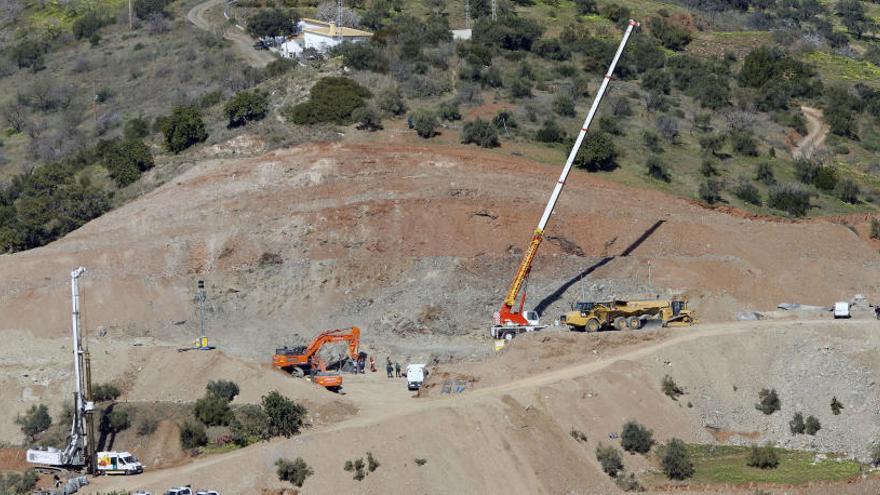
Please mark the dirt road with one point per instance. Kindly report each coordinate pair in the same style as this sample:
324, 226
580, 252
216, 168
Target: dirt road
817, 130
387, 411
241, 41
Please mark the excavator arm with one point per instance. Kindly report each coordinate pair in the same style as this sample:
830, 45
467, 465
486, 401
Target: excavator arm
509, 315
283, 358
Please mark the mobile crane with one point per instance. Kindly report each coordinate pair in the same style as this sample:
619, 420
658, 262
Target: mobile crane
509, 320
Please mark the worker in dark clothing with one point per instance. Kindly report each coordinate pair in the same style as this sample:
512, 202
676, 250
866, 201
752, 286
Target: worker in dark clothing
397, 370
389, 368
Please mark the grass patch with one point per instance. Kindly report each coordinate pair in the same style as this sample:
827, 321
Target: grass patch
727, 464
836, 67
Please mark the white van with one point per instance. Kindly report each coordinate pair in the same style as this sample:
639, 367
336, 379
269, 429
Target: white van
841, 310
118, 463
180, 490
415, 375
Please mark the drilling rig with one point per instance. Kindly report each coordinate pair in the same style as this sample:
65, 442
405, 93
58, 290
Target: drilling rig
80, 450
510, 321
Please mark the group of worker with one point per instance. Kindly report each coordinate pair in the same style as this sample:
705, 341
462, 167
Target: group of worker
393, 369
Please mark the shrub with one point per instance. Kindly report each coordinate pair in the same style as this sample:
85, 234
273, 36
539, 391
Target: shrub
283, 416
636, 438
670, 388
825, 179
796, 425
272, 22
367, 118
875, 454
597, 153
448, 110
670, 35
28, 54
225, 389
425, 124
127, 160
790, 198
676, 460
193, 435
213, 410
657, 169
520, 88
504, 120
550, 132
812, 425
746, 191
248, 424
805, 170
609, 125
578, 435
390, 101
356, 467
711, 143
652, 141
246, 106
147, 426
875, 228
481, 133
136, 128
847, 191
183, 128
362, 56
764, 173
563, 105
420, 461
743, 143
764, 457
372, 463
104, 392
668, 128
115, 420
332, 99
836, 406
610, 459
710, 191
707, 168
295, 472
768, 401
35, 421
145, 8
88, 25
585, 7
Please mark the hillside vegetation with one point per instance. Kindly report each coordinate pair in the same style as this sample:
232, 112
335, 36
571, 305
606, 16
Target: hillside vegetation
707, 103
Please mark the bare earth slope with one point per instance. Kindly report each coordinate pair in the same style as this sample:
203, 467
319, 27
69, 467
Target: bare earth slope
416, 247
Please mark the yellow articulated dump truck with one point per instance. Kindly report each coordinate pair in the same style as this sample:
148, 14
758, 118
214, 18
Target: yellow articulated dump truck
620, 315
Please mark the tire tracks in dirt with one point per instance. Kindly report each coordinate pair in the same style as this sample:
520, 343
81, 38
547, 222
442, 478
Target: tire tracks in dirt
817, 131
242, 43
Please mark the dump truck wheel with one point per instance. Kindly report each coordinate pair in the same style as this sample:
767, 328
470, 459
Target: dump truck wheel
634, 323
593, 325
297, 372
509, 336
620, 323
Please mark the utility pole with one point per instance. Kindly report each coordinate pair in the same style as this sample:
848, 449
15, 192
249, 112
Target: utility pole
202, 343
130, 21
494, 10
467, 14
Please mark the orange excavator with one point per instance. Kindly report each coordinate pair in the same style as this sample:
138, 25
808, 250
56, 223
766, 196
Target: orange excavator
301, 360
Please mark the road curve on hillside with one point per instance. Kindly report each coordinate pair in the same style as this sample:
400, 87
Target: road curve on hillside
241, 42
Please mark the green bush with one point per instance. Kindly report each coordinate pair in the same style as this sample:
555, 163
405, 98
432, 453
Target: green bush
225, 389
362, 56
670, 35
657, 169
372, 463
836, 406
183, 128
806, 170
136, 128
213, 410
28, 54
367, 118
710, 191
743, 143
812, 425
425, 124
826, 179
332, 99
103, 392
610, 459
295, 472
145, 8
481, 133
126, 161
249, 424
636, 438
246, 106
356, 467
193, 435
746, 191
670, 388
520, 88
875, 228
14, 483
711, 144
707, 168
875, 454
652, 141
147, 426
847, 191
550, 132
764, 457
283, 416
609, 125
115, 420
35, 421
597, 153
585, 7
448, 110
790, 198
768, 401
89, 24
563, 105
764, 173
676, 460
796, 425
390, 101
272, 22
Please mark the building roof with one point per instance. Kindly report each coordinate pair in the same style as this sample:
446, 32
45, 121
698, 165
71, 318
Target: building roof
333, 31
309, 20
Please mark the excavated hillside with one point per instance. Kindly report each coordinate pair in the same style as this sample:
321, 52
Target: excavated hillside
415, 246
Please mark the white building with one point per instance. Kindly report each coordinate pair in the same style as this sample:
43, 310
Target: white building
322, 36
